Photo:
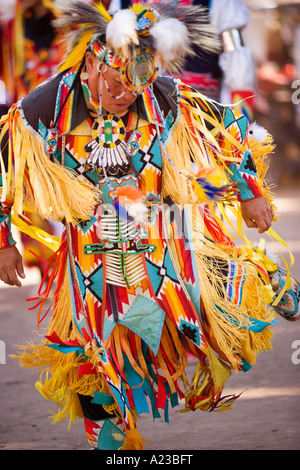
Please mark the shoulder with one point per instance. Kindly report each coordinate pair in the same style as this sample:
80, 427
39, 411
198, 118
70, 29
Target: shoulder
166, 92
39, 104
162, 96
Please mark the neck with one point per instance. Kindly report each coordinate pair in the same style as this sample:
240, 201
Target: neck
38, 10
94, 112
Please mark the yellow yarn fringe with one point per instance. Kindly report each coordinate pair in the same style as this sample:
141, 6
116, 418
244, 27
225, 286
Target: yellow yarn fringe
261, 151
54, 192
203, 395
170, 341
181, 147
231, 340
64, 386
75, 53
59, 381
187, 145
56, 187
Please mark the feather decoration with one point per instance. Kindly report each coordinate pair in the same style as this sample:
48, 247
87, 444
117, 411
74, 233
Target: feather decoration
171, 48
77, 47
198, 32
79, 22
138, 26
258, 133
121, 33
51, 190
74, 13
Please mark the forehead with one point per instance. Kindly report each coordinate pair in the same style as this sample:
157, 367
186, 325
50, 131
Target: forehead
29, 3
137, 72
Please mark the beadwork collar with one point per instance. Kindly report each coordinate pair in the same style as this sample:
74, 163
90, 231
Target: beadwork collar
51, 95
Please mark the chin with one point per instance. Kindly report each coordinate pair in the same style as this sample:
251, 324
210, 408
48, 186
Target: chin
120, 111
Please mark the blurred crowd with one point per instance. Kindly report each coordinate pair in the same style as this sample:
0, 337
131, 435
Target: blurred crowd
273, 35
30, 54
258, 68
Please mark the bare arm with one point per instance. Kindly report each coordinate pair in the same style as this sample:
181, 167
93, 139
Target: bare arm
257, 214
11, 266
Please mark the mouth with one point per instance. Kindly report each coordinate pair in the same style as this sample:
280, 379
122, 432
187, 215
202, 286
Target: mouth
121, 109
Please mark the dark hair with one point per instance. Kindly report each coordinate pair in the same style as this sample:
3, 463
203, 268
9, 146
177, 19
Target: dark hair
76, 79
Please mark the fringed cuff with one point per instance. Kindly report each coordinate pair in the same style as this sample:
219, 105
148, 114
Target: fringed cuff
6, 238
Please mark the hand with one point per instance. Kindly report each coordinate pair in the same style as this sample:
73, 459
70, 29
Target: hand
257, 214
11, 266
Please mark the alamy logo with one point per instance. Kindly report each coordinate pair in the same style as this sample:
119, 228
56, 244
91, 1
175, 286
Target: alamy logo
296, 93
2, 353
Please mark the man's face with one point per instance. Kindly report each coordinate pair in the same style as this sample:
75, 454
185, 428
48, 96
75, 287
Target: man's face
26, 4
111, 101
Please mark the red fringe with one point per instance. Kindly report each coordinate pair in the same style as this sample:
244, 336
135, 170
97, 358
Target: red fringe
214, 228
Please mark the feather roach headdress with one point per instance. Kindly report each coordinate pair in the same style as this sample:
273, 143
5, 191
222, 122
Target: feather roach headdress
139, 41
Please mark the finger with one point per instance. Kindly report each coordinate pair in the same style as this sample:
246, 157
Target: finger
270, 217
263, 228
5, 278
267, 222
12, 275
250, 223
20, 269
264, 225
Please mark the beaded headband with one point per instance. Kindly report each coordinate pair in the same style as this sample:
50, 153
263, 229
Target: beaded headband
137, 73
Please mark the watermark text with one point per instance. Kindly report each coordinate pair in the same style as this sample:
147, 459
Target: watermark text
2, 352
296, 353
